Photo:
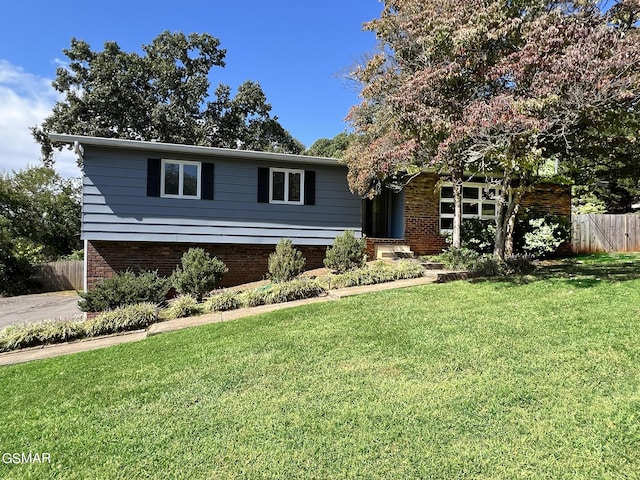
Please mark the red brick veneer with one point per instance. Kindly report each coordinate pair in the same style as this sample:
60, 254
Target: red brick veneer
422, 213
246, 263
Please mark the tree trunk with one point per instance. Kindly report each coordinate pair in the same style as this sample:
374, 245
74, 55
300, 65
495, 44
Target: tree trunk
506, 216
503, 216
456, 239
511, 224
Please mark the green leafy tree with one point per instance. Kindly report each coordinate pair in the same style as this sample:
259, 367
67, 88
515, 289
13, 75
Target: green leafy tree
40, 212
330, 147
160, 95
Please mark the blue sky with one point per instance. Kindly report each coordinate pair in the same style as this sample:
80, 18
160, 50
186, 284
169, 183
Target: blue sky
297, 50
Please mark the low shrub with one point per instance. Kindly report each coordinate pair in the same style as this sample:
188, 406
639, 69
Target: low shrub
478, 235
198, 273
486, 265
46, 332
459, 258
346, 253
126, 288
286, 262
378, 272
183, 306
222, 301
544, 237
123, 319
518, 265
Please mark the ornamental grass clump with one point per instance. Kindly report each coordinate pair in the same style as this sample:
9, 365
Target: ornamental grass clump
46, 332
378, 272
298, 289
123, 319
183, 306
222, 301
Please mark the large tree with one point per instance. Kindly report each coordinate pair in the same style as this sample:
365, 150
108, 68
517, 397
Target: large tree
330, 147
40, 211
495, 87
160, 95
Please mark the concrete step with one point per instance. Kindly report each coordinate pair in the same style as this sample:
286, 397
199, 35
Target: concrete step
393, 251
433, 265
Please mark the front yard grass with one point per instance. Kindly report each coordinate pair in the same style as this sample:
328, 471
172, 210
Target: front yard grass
536, 378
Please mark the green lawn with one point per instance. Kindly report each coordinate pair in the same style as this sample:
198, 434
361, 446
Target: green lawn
536, 378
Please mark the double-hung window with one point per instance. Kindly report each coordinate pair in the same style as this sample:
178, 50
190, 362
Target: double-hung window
286, 186
180, 179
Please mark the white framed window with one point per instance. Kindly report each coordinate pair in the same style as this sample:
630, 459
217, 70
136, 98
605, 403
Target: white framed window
479, 200
286, 186
180, 179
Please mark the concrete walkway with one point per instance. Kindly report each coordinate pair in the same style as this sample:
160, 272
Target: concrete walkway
49, 351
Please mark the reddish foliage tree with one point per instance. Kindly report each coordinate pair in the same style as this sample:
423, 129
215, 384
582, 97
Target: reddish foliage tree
493, 87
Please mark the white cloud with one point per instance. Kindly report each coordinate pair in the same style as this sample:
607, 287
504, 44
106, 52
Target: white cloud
25, 100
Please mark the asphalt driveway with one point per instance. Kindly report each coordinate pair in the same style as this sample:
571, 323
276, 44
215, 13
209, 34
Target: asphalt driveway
43, 306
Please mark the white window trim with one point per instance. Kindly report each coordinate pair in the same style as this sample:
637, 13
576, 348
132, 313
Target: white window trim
181, 163
478, 201
286, 172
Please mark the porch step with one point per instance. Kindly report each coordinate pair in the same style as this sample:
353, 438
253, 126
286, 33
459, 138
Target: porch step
433, 265
393, 251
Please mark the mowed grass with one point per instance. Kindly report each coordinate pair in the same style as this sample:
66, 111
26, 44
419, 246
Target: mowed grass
538, 378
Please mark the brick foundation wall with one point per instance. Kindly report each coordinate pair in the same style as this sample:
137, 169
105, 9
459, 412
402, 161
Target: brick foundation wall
246, 263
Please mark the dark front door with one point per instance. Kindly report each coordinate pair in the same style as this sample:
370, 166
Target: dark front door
376, 215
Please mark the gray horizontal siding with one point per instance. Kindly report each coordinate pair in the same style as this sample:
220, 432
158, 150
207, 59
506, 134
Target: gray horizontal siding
115, 205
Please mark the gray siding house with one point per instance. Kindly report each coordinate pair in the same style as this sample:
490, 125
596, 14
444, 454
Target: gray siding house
145, 203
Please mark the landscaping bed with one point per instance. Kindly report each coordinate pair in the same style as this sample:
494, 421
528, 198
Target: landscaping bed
139, 316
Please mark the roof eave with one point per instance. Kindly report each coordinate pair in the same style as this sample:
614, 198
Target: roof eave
188, 149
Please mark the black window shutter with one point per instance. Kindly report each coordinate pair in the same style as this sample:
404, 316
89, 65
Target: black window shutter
263, 185
154, 166
309, 187
206, 189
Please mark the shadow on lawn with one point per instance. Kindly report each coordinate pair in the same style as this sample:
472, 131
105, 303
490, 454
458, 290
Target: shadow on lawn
581, 272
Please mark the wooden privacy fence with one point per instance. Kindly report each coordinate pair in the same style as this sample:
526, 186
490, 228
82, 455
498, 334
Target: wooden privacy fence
63, 275
605, 233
